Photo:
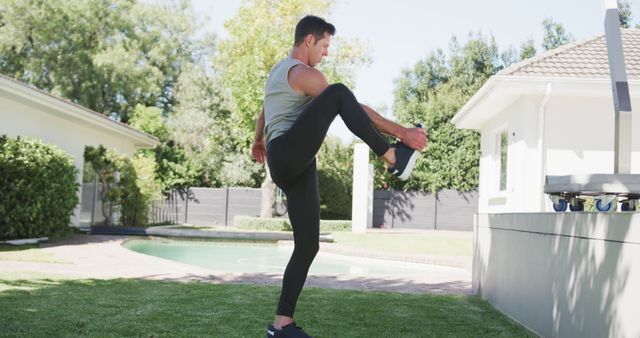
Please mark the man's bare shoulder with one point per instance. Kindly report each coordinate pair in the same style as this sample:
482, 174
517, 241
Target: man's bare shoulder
304, 72
307, 80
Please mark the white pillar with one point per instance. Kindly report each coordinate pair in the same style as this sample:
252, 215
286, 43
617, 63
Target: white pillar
620, 89
362, 204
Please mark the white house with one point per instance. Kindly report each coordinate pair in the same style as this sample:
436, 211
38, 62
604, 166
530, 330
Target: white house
27, 111
552, 114
569, 274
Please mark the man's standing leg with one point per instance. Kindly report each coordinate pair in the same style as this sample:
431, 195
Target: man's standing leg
303, 200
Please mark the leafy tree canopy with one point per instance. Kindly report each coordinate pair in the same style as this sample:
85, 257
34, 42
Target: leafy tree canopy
554, 34
260, 35
107, 55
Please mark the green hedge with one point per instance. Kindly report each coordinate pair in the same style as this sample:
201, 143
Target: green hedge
335, 176
257, 223
38, 189
335, 225
282, 224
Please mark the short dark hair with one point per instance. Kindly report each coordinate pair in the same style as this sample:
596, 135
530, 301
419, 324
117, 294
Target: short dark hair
311, 24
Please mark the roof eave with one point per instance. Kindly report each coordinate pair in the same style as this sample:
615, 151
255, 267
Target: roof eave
500, 91
461, 118
76, 112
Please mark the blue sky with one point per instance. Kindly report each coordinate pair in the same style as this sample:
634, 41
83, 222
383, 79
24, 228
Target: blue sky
404, 31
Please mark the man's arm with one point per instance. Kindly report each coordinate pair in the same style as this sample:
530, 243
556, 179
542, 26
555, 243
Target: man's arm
307, 81
415, 138
259, 150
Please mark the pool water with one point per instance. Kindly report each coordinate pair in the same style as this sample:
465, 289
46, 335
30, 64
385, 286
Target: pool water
272, 258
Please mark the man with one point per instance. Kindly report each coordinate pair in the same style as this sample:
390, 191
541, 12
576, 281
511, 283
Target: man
299, 106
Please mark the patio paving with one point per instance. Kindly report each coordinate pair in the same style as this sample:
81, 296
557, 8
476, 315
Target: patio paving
103, 257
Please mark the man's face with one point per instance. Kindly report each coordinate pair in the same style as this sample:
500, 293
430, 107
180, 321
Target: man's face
319, 50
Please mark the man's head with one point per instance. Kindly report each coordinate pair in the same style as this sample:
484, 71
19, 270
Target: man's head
313, 25
315, 34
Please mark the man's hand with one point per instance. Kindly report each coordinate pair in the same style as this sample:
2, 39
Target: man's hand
259, 151
415, 138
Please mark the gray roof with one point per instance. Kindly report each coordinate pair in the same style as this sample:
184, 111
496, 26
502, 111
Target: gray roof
584, 59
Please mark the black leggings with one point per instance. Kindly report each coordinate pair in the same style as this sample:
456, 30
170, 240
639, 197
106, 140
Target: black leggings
291, 160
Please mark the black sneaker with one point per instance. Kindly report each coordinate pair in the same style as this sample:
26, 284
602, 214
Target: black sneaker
289, 331
405, 159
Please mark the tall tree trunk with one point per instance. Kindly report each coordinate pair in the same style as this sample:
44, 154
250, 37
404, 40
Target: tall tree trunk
268, 195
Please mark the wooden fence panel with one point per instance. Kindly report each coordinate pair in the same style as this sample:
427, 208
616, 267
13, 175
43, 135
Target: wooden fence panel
208, 206
446, 210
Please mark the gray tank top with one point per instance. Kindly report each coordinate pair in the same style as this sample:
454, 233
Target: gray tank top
282, 105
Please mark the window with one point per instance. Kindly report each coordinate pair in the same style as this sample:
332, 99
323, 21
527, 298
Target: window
504, 147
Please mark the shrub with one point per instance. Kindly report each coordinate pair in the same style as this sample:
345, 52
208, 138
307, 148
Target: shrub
146, 177
124, 190
257, 223
39, 189
335, 225
335, 175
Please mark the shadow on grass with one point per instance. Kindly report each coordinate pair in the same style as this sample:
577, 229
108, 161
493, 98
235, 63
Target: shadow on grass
92, 308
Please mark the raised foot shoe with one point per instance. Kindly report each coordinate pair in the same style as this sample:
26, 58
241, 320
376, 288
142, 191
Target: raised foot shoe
405, 159
289, 331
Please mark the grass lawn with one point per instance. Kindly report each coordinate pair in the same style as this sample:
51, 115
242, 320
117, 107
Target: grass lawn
10, 247
453, 243
222, 228
431, 243
125, 308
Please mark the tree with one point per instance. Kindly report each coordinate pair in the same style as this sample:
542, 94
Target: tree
527, 49
201, 124
433, 91
624, 13
173, 169
117, 57
418, 84
106, 55
260, 35
511, 55
554, 34
150, 120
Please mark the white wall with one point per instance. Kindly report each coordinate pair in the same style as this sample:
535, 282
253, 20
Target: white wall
520, 120
578, 139
564, 274
579, 136
21, 118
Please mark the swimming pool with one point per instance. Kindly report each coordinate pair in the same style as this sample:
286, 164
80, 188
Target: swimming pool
241, 257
